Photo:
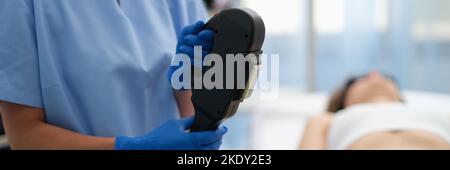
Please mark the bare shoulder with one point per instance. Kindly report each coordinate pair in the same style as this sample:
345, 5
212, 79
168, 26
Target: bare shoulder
322, 119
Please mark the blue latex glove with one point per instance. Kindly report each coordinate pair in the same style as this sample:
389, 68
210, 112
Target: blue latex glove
173, 136
190, 36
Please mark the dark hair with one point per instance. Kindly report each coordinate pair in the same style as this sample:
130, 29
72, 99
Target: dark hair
337, 100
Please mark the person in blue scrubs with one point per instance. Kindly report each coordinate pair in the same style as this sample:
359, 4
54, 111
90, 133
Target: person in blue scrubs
92, 74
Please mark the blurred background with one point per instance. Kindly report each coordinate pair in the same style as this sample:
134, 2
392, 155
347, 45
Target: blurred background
323, 42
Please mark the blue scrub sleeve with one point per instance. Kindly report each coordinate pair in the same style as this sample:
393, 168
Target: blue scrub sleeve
19, 70
196, 11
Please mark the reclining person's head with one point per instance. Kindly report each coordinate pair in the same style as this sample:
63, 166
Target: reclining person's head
370, 88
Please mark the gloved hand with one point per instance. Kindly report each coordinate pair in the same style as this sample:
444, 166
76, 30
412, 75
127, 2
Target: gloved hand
173, 136
192, 35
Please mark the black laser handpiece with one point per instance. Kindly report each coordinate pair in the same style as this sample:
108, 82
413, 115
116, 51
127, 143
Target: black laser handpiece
237, 31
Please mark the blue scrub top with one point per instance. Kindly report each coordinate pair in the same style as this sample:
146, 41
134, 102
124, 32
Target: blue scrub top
95, 67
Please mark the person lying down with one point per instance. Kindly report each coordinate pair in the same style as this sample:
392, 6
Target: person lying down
368, 113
